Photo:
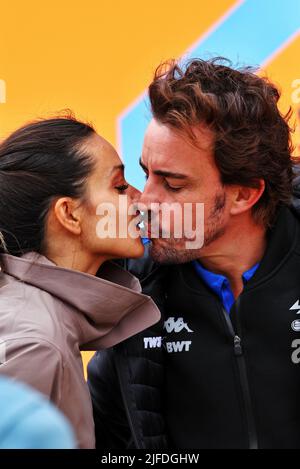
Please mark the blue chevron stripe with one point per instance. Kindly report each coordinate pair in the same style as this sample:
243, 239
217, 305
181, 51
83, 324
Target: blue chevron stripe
250, 35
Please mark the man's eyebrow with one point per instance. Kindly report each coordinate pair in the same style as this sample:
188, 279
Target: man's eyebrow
167, 174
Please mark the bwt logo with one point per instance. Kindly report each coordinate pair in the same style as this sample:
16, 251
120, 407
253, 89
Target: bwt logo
2, 92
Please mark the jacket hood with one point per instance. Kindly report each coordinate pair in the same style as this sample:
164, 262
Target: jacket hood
112, 307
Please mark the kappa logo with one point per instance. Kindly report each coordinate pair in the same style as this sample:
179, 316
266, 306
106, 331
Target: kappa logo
177, 325
172, 325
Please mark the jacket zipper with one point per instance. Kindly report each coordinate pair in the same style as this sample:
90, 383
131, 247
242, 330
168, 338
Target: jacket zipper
238, 352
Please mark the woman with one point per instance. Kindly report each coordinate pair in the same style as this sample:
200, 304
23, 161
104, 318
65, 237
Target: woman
54, 176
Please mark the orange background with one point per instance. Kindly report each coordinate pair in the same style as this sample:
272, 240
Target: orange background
96, 57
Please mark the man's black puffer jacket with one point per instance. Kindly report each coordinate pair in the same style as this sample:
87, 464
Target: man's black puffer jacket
126, 382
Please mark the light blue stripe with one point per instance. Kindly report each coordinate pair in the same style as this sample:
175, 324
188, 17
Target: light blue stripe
133, 127
251, 34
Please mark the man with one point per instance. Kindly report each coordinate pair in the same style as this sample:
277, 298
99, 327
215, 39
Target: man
221, 369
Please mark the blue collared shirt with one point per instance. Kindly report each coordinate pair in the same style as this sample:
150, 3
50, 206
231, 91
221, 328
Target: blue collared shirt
220, 284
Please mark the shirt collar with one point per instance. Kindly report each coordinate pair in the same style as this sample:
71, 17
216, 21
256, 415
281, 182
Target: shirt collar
217, 281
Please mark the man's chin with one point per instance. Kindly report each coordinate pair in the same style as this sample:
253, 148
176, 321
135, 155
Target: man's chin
164, 251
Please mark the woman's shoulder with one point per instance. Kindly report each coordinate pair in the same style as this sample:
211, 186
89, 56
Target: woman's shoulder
16, 294
26, 311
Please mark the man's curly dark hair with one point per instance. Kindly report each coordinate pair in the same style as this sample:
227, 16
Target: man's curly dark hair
252, 139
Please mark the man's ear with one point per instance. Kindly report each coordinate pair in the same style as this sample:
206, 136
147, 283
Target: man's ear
66, 212
245, 197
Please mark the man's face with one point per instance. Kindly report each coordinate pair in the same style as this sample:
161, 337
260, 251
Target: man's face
179, 172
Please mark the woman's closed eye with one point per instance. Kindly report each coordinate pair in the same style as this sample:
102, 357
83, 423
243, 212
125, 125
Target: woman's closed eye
122, 188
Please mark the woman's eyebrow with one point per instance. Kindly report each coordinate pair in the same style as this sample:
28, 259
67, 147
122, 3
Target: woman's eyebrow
117, 167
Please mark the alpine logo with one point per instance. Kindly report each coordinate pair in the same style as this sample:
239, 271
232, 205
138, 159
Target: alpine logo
172, 325
296, 306
296, 352
296, 325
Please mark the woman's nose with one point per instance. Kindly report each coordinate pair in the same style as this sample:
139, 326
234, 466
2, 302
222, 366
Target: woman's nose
134, 193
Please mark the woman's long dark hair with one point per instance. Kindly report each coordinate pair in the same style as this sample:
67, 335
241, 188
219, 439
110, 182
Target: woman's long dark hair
39, 162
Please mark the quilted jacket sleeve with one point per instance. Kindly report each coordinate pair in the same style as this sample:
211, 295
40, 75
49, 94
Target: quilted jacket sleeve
111, 425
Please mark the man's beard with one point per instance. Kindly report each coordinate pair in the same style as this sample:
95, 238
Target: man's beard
173, 250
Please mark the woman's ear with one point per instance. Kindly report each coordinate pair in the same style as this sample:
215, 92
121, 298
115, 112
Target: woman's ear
67, 214
245, 197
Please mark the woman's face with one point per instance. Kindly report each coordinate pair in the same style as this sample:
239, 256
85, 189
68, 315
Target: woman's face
106, 226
